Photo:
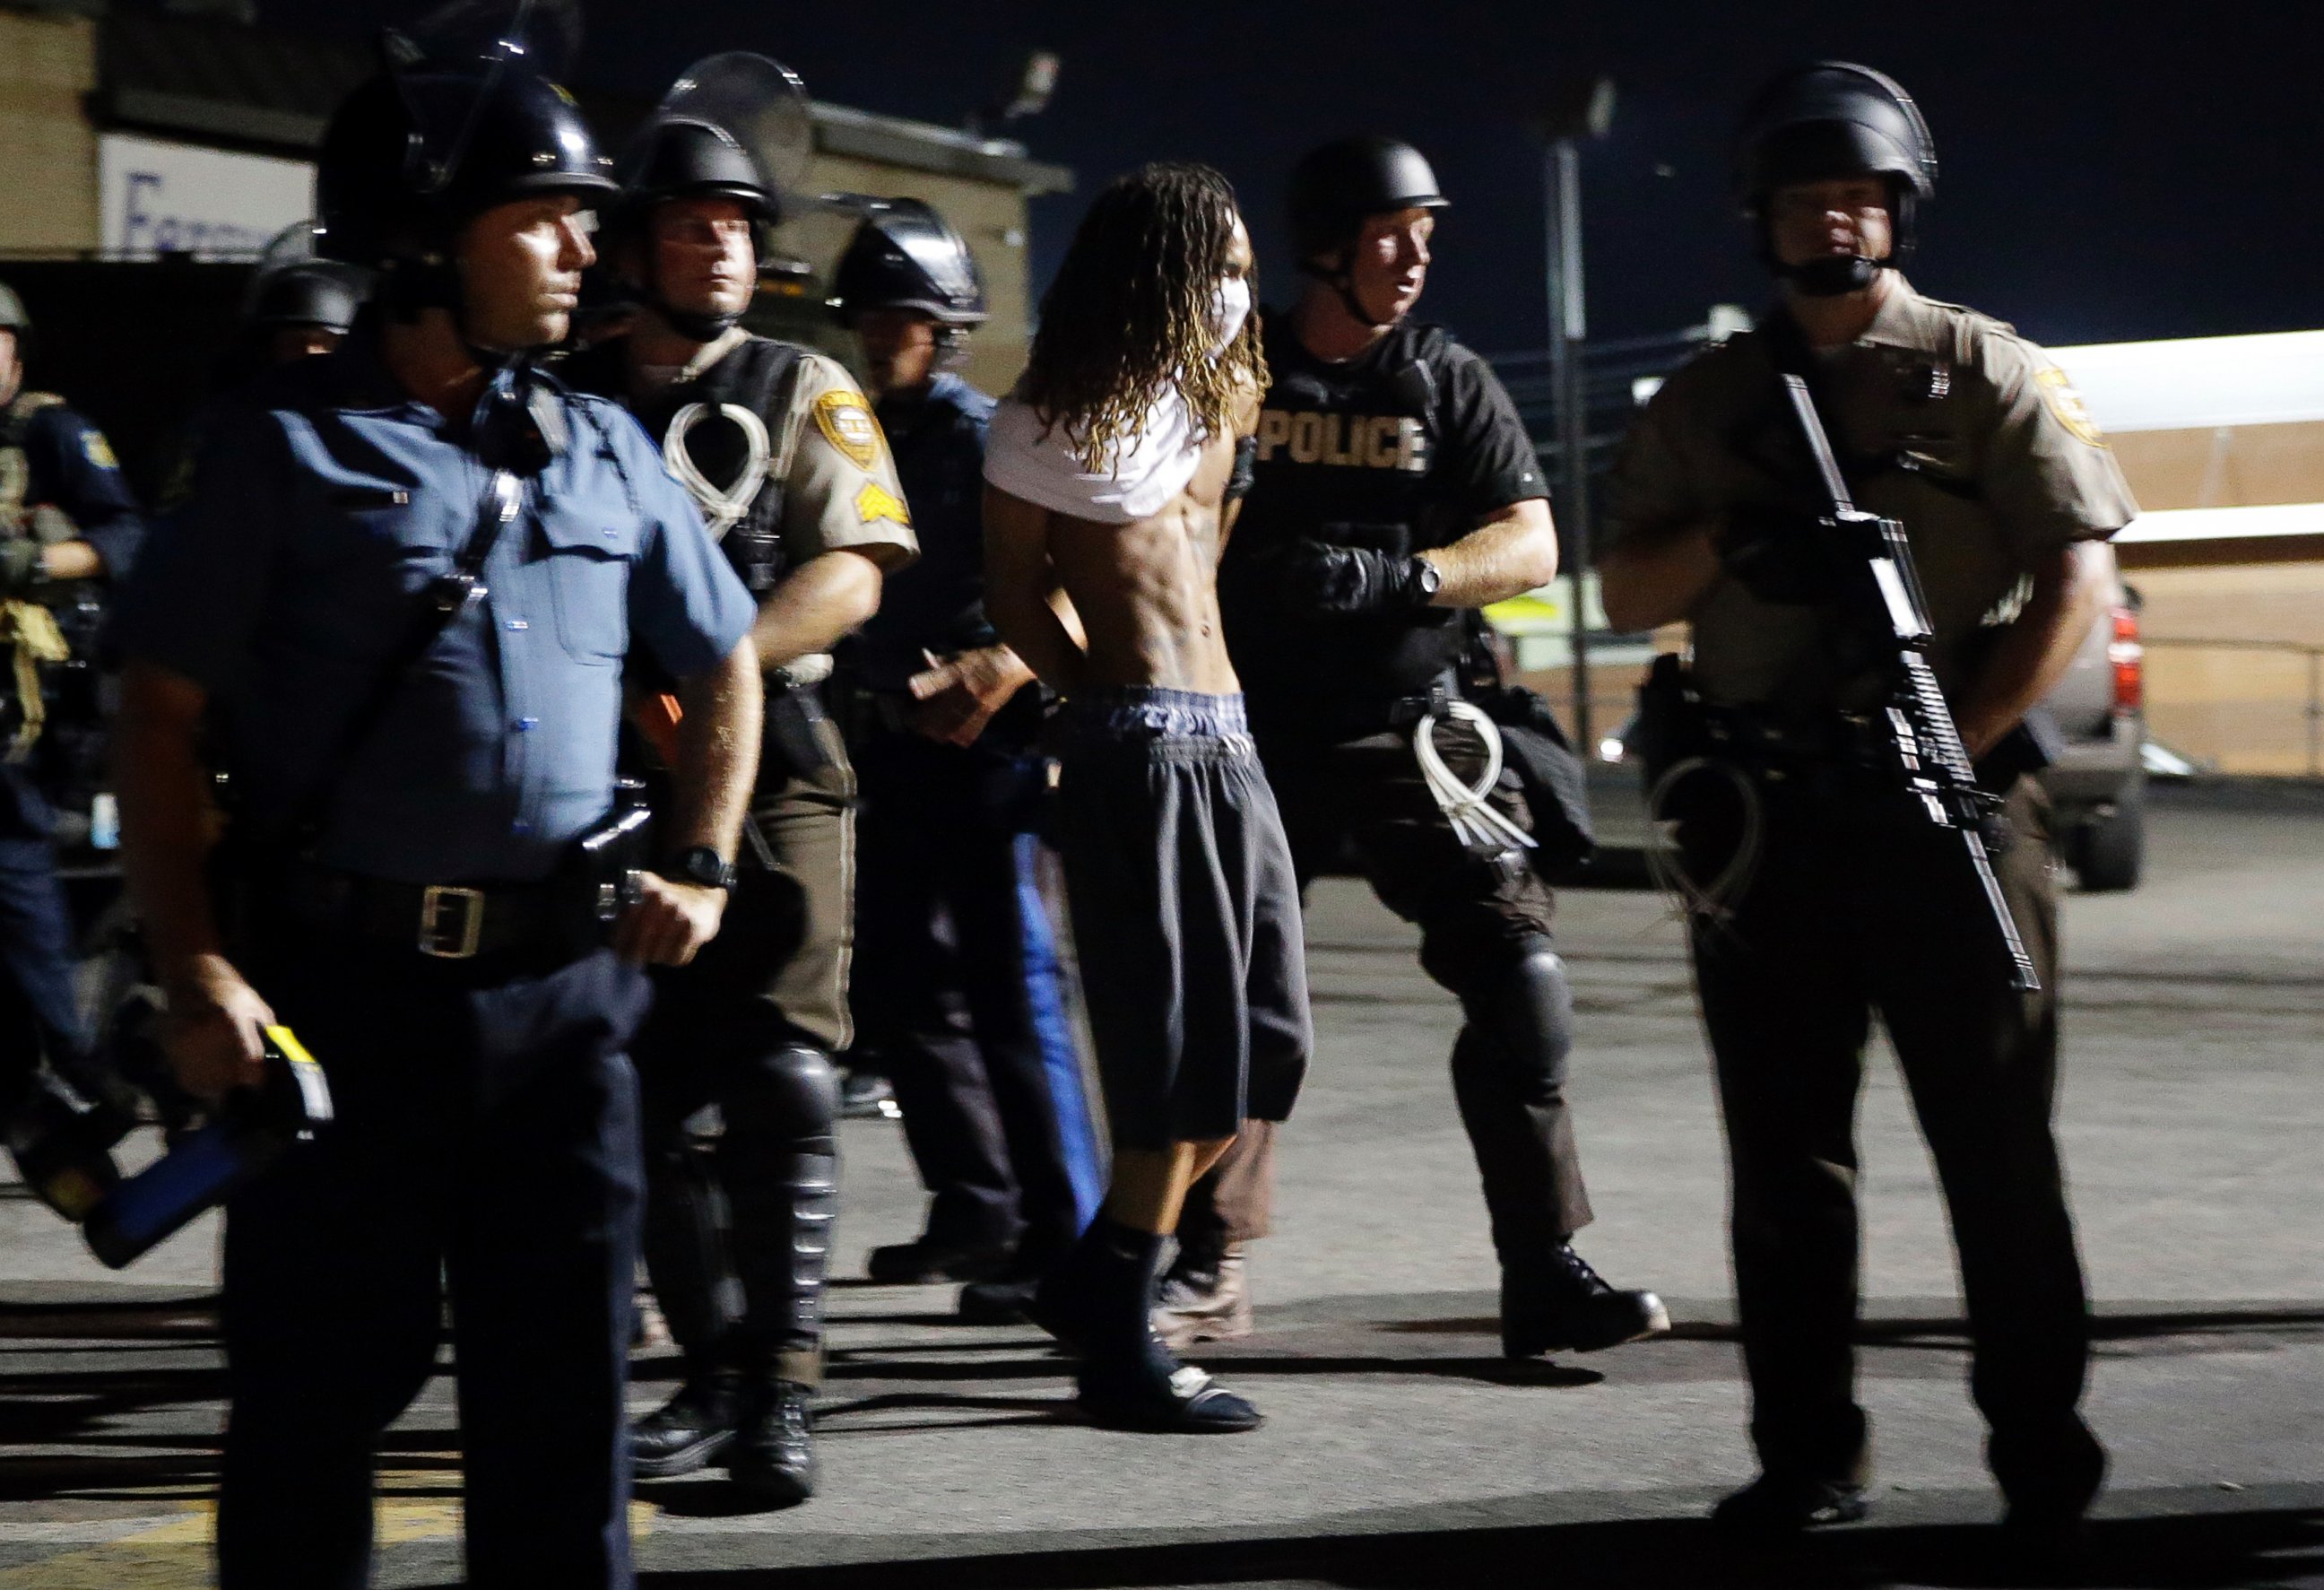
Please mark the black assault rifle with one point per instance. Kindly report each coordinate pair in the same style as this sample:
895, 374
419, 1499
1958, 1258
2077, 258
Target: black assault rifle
1883, 597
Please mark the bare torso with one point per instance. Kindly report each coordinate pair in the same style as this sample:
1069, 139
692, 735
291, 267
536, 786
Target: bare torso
1148, 592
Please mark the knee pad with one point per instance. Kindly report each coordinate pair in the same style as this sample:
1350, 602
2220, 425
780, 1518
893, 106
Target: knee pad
789, 1092
1521, 1018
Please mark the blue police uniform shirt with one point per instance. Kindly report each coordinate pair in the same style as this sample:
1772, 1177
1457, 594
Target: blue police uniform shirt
323, 504
69, 465
937, 439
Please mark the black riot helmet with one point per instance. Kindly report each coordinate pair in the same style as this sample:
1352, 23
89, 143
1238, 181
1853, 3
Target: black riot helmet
291, 286
1336, 187
682, 157
319, 293
906, 256
415, 153
1831, 118
734, 125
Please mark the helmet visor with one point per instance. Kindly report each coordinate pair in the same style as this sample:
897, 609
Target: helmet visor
449, 46
759, 103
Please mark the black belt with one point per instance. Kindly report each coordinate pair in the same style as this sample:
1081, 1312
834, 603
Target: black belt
449, 922
891, 710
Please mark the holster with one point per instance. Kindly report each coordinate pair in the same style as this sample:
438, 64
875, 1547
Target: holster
2033, 744
1671, 725
600, 877
792, 744
1555, 785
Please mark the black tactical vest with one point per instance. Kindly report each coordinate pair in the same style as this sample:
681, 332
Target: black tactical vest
1346, 455
757, 375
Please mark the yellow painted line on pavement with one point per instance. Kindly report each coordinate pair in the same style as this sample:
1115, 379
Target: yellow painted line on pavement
175, 1554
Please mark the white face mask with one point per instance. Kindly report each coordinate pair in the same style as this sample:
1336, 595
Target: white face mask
1229, 308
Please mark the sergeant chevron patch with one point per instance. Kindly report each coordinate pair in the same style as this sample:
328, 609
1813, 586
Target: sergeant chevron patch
876, 502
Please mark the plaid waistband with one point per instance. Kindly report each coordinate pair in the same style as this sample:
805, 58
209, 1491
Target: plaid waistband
1140, 713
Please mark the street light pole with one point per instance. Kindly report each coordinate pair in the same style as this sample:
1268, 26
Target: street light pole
1569, 329
1577, 108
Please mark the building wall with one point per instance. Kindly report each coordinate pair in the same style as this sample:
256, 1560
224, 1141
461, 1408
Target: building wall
2235, 662
2235, 632
989, 215
47, 64
2229, 466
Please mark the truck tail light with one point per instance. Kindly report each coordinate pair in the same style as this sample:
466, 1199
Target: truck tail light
2128, 658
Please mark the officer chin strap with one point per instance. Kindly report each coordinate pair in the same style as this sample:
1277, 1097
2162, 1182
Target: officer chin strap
697, 325
1475, 821
1835, 276
1838, 275
522, 426
1342, 283
688, 324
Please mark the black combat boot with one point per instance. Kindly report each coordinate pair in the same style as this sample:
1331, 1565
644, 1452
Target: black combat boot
1776, 1505
694, 1428
771, 1458
1557, 1303
1006, 1300
926, 1260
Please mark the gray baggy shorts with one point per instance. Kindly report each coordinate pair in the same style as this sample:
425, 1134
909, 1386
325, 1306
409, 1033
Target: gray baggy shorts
1185, 915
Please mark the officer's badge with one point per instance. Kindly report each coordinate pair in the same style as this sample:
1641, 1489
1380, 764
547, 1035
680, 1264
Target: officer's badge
876, 502
2066, 403
847, 424
98, 450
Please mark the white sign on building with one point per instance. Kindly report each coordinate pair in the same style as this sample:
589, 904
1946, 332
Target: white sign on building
164, 197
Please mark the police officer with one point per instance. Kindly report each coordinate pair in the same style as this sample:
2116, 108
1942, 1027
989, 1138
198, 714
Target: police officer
409, 577
957, 974
783, 451
1396, 492
305, 309
69, 527
1966, 432
293, 309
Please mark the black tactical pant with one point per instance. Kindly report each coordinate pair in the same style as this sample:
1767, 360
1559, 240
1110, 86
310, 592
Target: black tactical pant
1363, 802
1843, 919
39, 1014
741, 1170
485, 1135
959, 998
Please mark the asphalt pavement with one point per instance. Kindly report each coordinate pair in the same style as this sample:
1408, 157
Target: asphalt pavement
1399, 1449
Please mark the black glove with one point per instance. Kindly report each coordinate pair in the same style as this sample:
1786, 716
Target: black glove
1778, 557
1325, 579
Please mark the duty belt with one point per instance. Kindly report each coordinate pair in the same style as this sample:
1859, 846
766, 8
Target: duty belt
892, 710
447, 921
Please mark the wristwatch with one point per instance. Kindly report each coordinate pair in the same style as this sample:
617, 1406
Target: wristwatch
1427, 579
699, 864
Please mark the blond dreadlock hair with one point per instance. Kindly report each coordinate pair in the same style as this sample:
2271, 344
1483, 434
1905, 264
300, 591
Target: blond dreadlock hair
1129, 314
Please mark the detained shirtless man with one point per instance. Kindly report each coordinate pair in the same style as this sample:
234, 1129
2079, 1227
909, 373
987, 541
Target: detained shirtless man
1112, 480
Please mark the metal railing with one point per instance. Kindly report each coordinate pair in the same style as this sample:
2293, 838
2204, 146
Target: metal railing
2312, 710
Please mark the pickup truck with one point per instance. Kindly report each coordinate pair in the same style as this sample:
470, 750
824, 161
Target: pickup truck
2096, 785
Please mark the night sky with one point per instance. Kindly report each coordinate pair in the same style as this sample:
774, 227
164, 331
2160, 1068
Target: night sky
2102, 179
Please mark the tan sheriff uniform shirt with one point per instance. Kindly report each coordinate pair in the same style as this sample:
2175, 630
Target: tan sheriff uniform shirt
1944, 419
841, 489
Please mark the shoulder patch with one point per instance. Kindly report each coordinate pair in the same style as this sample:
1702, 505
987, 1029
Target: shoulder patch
876, 502
846, 422
2066, 403
98, 450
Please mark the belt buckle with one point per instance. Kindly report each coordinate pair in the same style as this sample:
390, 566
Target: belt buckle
442, 940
